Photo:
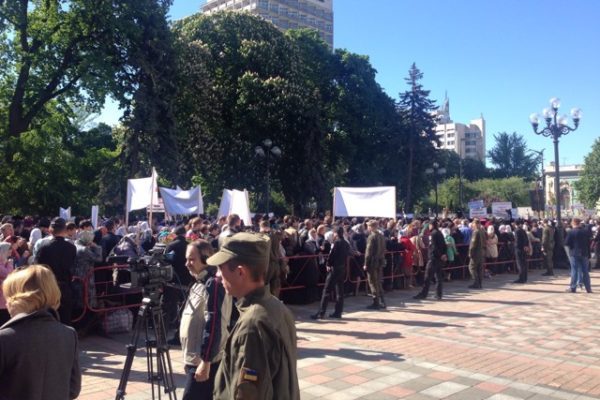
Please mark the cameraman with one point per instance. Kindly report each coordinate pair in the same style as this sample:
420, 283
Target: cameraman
203, 328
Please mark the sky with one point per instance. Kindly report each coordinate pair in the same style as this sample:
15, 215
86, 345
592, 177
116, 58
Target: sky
500, 59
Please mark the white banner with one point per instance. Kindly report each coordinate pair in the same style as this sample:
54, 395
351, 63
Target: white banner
236, 202
478, 213
141, 192
182, 202
499, 209
476, 204
95, 212
365, 202
64, 213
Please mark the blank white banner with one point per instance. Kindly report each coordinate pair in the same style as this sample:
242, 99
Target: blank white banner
236, 202
377, 201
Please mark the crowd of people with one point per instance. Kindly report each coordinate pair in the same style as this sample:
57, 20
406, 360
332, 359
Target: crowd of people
232, 276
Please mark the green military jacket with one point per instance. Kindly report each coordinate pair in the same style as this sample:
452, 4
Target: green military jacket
375, 252
548, 239
477, 246
259, 358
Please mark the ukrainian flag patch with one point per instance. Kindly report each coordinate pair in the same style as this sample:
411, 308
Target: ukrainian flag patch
249, 375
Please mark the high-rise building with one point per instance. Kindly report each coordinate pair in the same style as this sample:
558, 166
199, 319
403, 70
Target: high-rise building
284, 14
468, 141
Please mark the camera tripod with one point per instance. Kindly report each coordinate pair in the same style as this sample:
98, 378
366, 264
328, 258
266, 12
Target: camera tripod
150, 318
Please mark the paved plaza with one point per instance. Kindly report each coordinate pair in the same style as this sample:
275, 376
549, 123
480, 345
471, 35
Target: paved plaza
505, 342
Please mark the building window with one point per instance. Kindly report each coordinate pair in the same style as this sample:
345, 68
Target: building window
471, 142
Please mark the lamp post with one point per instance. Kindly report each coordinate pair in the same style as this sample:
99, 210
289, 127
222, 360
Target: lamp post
265, 151
540, 154
436, 170
555, 128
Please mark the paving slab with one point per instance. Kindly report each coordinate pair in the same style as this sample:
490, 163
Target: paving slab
505, 342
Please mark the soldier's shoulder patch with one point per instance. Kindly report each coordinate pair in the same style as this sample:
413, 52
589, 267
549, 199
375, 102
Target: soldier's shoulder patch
248, 375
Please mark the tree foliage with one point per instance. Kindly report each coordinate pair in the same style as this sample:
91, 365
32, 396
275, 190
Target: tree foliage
70, 50
588, 185
514, 189
199, 97
509, 156
416, 109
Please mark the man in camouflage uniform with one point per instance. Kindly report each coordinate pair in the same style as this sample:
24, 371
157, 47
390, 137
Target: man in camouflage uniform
374, 263
548, 247
259, 358
476, 254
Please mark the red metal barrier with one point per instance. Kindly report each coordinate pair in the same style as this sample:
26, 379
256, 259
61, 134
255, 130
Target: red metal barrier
109, 297
104, 297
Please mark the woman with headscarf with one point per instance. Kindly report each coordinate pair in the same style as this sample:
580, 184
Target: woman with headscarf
6, 267
491, 248
451, 250
88, 253
310, 272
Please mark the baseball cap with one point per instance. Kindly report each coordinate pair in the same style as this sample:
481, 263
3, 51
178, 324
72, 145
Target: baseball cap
247, 248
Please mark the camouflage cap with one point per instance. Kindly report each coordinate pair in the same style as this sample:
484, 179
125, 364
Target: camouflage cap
246, 248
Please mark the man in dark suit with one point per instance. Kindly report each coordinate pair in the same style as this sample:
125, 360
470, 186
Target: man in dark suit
109, 240
436, 257
522, 249
59, 255
336, 273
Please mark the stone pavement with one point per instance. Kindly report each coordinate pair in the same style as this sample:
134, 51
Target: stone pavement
508, 341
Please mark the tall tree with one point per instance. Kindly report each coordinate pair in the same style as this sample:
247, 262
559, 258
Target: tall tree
75, 51
416, 108
257, 90
509, 156
589, 183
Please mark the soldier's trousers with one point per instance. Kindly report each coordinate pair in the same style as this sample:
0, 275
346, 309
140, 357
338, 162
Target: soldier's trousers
549, 262
374, 274
476, 270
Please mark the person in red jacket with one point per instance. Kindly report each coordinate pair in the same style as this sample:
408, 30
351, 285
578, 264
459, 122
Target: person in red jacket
407, 264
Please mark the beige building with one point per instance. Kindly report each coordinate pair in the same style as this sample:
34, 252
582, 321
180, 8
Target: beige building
569, 174
285, 14
466, 140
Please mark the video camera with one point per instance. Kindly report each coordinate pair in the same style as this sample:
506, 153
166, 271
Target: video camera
148, 271
153, 269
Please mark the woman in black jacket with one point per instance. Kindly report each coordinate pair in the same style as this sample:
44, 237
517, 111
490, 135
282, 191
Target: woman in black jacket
39, 359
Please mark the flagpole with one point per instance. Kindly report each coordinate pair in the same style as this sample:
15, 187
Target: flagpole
152, 198
127, 205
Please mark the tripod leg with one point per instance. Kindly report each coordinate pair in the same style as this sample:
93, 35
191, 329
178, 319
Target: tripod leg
163, 359
131, 349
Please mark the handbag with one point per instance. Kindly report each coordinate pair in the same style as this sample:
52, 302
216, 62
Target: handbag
117, 321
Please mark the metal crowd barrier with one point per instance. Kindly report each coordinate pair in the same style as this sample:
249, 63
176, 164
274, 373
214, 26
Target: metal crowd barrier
109, 297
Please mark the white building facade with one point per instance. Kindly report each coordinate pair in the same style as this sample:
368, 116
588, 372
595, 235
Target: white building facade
467, 140
284, 14
568, 175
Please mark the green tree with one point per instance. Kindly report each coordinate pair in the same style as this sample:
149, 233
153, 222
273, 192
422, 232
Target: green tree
68, 51
416, 109
449, 193
257, 89
513, 189
509, 156
367, 137
588, 184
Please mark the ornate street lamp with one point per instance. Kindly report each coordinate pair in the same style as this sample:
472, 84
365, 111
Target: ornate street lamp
265, 151
556, 126
436, 170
